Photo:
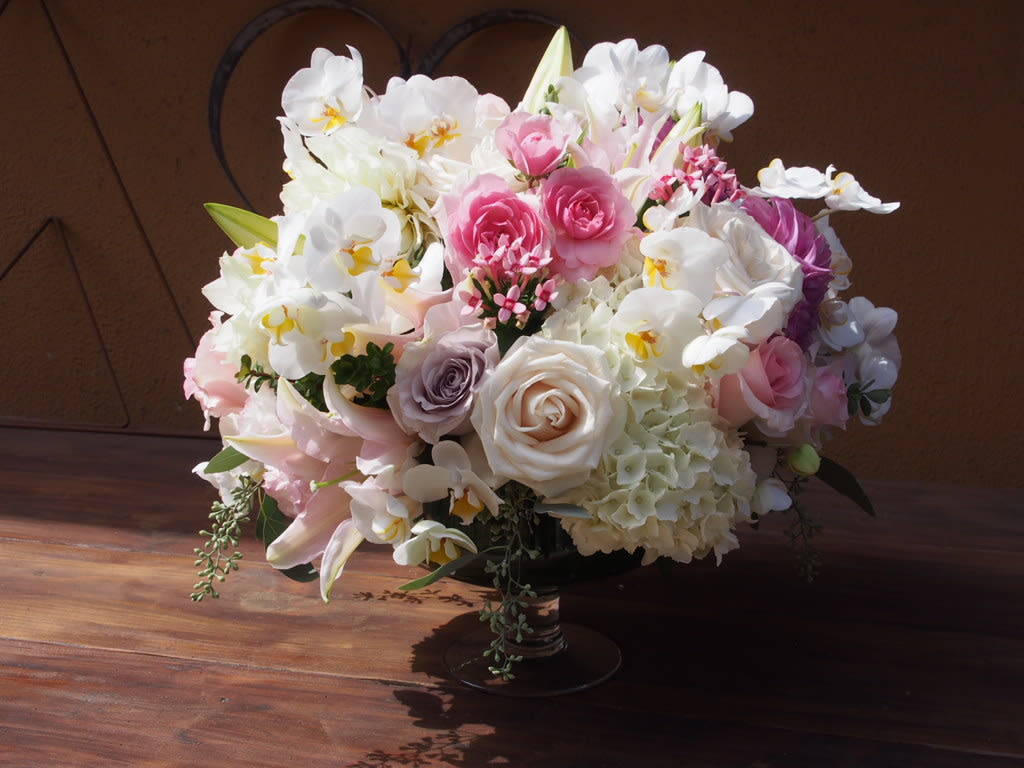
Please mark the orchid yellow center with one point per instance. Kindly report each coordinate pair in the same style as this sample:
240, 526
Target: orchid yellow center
343, 347
657, 272
467, 507
332, 117
402, 273
442, 130
440, 555
257, 262
644, 344
361, 255
279, 322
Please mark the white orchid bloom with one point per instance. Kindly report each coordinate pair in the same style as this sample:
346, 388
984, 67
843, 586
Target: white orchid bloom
846, 194
719, 353
381, 516
347, 236
759, 312
452, 472
686, 259
839, 327
841, 192
327, 94
626, 76
433, 117
656, 324
307, 331
693, 81
432, 542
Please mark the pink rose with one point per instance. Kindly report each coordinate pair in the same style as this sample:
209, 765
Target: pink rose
591, 217
210, 377
826, 403
490, 226
535, 144
771, 388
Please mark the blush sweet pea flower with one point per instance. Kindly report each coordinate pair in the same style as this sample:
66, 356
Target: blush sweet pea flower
592, 220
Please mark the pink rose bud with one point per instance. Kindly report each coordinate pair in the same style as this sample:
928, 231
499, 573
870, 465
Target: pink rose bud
535, 144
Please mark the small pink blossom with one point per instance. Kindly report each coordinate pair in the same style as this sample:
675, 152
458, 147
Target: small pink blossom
771, 388
546, 293
534, 144
592, 220
509, 304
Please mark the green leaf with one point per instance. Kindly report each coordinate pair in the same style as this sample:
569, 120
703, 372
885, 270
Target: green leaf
304, 573
246, 229
843, 481
225, 461
449, 567
271, 523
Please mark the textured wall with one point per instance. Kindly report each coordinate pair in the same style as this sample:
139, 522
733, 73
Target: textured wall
105, 131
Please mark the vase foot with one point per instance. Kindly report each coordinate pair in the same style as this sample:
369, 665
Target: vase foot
588, 659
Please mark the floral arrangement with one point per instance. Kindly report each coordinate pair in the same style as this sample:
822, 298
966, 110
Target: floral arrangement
471, 317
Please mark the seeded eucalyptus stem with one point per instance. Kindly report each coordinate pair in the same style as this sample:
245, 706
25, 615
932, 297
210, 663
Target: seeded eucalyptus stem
801, 529
219, 554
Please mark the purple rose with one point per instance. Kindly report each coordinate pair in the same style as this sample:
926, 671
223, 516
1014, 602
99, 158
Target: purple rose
592, 220
436, 378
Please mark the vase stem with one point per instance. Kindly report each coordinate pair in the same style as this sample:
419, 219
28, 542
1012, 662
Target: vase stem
542, 616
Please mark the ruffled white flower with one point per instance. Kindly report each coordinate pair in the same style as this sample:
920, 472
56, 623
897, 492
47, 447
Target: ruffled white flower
327, 94
877, 359
755, 259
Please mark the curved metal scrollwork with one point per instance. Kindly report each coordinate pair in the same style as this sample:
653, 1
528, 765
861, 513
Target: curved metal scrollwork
264, 21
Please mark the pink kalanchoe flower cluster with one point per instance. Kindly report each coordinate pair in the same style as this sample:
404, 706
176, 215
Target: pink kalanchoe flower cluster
703, 166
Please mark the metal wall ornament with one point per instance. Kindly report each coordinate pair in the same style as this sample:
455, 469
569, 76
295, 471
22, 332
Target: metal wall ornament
278, 13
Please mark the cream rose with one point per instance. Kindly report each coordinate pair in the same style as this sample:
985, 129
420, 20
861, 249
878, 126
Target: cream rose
547, 413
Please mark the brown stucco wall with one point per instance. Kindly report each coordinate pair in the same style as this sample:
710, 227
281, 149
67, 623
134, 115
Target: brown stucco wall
104, 128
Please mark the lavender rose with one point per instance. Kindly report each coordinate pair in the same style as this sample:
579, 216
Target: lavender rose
435, 381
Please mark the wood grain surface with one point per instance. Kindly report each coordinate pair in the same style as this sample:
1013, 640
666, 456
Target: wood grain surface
907, 651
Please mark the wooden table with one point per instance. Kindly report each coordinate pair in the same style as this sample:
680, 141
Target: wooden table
907, 651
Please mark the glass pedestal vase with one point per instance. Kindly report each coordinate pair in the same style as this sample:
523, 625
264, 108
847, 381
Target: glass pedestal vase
556, 657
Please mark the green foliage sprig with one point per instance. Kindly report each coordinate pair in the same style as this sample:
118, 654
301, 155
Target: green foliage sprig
252, 375
219, 554
860, 397
372, 374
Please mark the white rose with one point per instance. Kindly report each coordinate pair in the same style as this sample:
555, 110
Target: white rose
547, 412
